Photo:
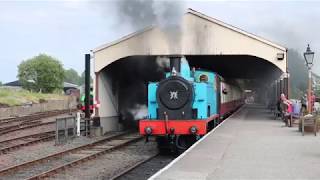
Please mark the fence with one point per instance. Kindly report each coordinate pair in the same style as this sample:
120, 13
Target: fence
65, 129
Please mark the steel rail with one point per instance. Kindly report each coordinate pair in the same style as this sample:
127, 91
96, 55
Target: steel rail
14, 168
42, 137
35, 116
63, 167
127, 170
31, 122
25, 127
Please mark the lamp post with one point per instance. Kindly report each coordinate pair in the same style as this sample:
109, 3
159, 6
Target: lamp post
308, 57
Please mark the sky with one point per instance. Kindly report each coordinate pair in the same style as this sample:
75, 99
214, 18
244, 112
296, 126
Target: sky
67, 29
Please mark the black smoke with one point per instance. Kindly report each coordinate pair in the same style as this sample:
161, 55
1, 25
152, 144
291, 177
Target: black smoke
129, 80
166, 15
141, 13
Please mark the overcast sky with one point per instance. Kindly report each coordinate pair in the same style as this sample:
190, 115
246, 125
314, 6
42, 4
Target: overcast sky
67, 30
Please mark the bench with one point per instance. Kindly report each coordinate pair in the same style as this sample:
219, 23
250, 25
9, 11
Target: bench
309, 121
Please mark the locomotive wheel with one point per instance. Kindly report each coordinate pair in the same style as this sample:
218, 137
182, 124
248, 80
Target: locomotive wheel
184, 142
176, 146
164, 145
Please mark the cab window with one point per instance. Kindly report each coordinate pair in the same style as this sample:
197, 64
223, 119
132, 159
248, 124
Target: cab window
203, 78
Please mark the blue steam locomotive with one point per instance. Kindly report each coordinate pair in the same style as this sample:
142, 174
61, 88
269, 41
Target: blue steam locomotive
186, 105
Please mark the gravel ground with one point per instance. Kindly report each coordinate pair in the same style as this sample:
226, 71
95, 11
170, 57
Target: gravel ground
111, 163
146, 170
28, 131
34, 130
103, 167
39, 150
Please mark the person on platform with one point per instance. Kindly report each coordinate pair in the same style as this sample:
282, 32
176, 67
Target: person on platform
304, 103
279, 107
286, 108
313, 100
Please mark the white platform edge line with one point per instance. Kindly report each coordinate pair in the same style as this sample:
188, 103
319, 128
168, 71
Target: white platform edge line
187, 151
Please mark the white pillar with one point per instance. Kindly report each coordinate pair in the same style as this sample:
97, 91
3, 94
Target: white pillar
78, 123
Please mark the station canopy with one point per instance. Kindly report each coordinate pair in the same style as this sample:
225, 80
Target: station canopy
206, 42
124, 67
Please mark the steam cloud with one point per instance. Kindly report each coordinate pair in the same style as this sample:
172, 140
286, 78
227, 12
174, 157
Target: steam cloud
139, 111
130, 76
167, 15
129, 82
141, 13
133, 74
163, 62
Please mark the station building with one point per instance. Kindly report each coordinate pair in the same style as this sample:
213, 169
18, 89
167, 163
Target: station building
205, 42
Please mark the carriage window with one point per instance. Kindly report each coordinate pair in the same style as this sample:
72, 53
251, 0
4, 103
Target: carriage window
203, 78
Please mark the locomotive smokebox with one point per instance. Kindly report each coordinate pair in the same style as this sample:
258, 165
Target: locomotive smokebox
175, 62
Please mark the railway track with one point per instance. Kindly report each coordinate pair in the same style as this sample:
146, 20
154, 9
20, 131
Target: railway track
25, 122
31, 117
132, 167
22, 127
50, 165
16, 143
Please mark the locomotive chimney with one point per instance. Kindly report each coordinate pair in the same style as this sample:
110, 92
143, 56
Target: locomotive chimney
175, 62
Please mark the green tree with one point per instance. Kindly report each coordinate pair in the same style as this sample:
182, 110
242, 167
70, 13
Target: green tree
317, 92
41, 73
71, 76
298, 73
0, 83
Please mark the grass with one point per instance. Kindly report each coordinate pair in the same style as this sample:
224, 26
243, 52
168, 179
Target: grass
15, 97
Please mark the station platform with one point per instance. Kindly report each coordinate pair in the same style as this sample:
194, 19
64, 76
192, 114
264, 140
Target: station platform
249, 145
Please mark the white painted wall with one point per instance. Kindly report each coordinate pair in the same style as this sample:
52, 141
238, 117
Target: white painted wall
108, 110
